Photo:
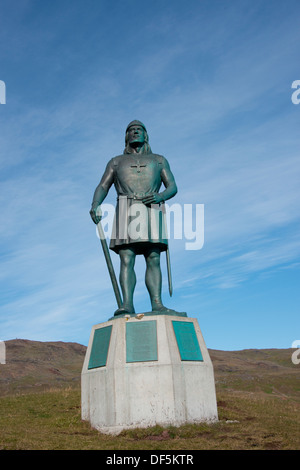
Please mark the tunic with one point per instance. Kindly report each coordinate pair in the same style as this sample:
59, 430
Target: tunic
136, 225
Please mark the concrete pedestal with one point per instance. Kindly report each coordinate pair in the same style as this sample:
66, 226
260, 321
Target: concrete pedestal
147, 371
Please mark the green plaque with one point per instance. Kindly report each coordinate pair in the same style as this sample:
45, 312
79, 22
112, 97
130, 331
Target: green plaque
141, 341
187, 341
100, 347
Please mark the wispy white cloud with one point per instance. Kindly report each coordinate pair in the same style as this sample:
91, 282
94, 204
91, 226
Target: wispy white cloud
214, 93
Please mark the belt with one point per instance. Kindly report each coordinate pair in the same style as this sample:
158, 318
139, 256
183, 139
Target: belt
136, 197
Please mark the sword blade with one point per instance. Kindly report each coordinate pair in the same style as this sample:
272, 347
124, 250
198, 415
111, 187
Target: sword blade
169, 272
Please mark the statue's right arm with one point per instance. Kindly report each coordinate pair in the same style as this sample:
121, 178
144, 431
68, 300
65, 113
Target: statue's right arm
101, 192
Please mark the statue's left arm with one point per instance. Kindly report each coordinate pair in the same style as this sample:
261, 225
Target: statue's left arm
168, 180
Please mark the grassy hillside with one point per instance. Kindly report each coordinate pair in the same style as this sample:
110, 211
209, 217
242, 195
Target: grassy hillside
257, 393
36, 365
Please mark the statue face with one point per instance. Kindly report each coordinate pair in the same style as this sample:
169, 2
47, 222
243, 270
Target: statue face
136, 134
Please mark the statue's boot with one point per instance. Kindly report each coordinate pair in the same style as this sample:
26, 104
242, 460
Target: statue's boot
124, 309
157, 305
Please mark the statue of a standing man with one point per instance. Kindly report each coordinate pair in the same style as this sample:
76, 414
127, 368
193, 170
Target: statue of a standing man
137, 176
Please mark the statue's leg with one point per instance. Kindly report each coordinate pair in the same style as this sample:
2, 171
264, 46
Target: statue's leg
153, 279
127, 280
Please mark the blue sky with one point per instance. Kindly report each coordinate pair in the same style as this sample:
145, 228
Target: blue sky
211, 80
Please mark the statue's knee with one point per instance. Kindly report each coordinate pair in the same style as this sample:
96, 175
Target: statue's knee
127, 260
153, 259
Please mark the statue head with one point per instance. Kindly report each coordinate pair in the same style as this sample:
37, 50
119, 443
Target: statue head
136, 136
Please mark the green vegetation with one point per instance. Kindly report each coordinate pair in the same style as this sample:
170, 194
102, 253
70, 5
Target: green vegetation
257, 393
51, 421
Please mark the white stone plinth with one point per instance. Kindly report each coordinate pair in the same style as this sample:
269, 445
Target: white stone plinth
166, 391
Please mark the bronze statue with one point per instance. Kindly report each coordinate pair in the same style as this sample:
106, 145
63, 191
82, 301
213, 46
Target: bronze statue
137, 175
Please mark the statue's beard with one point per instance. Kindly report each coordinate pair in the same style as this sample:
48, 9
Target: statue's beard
136, 143
144, 148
